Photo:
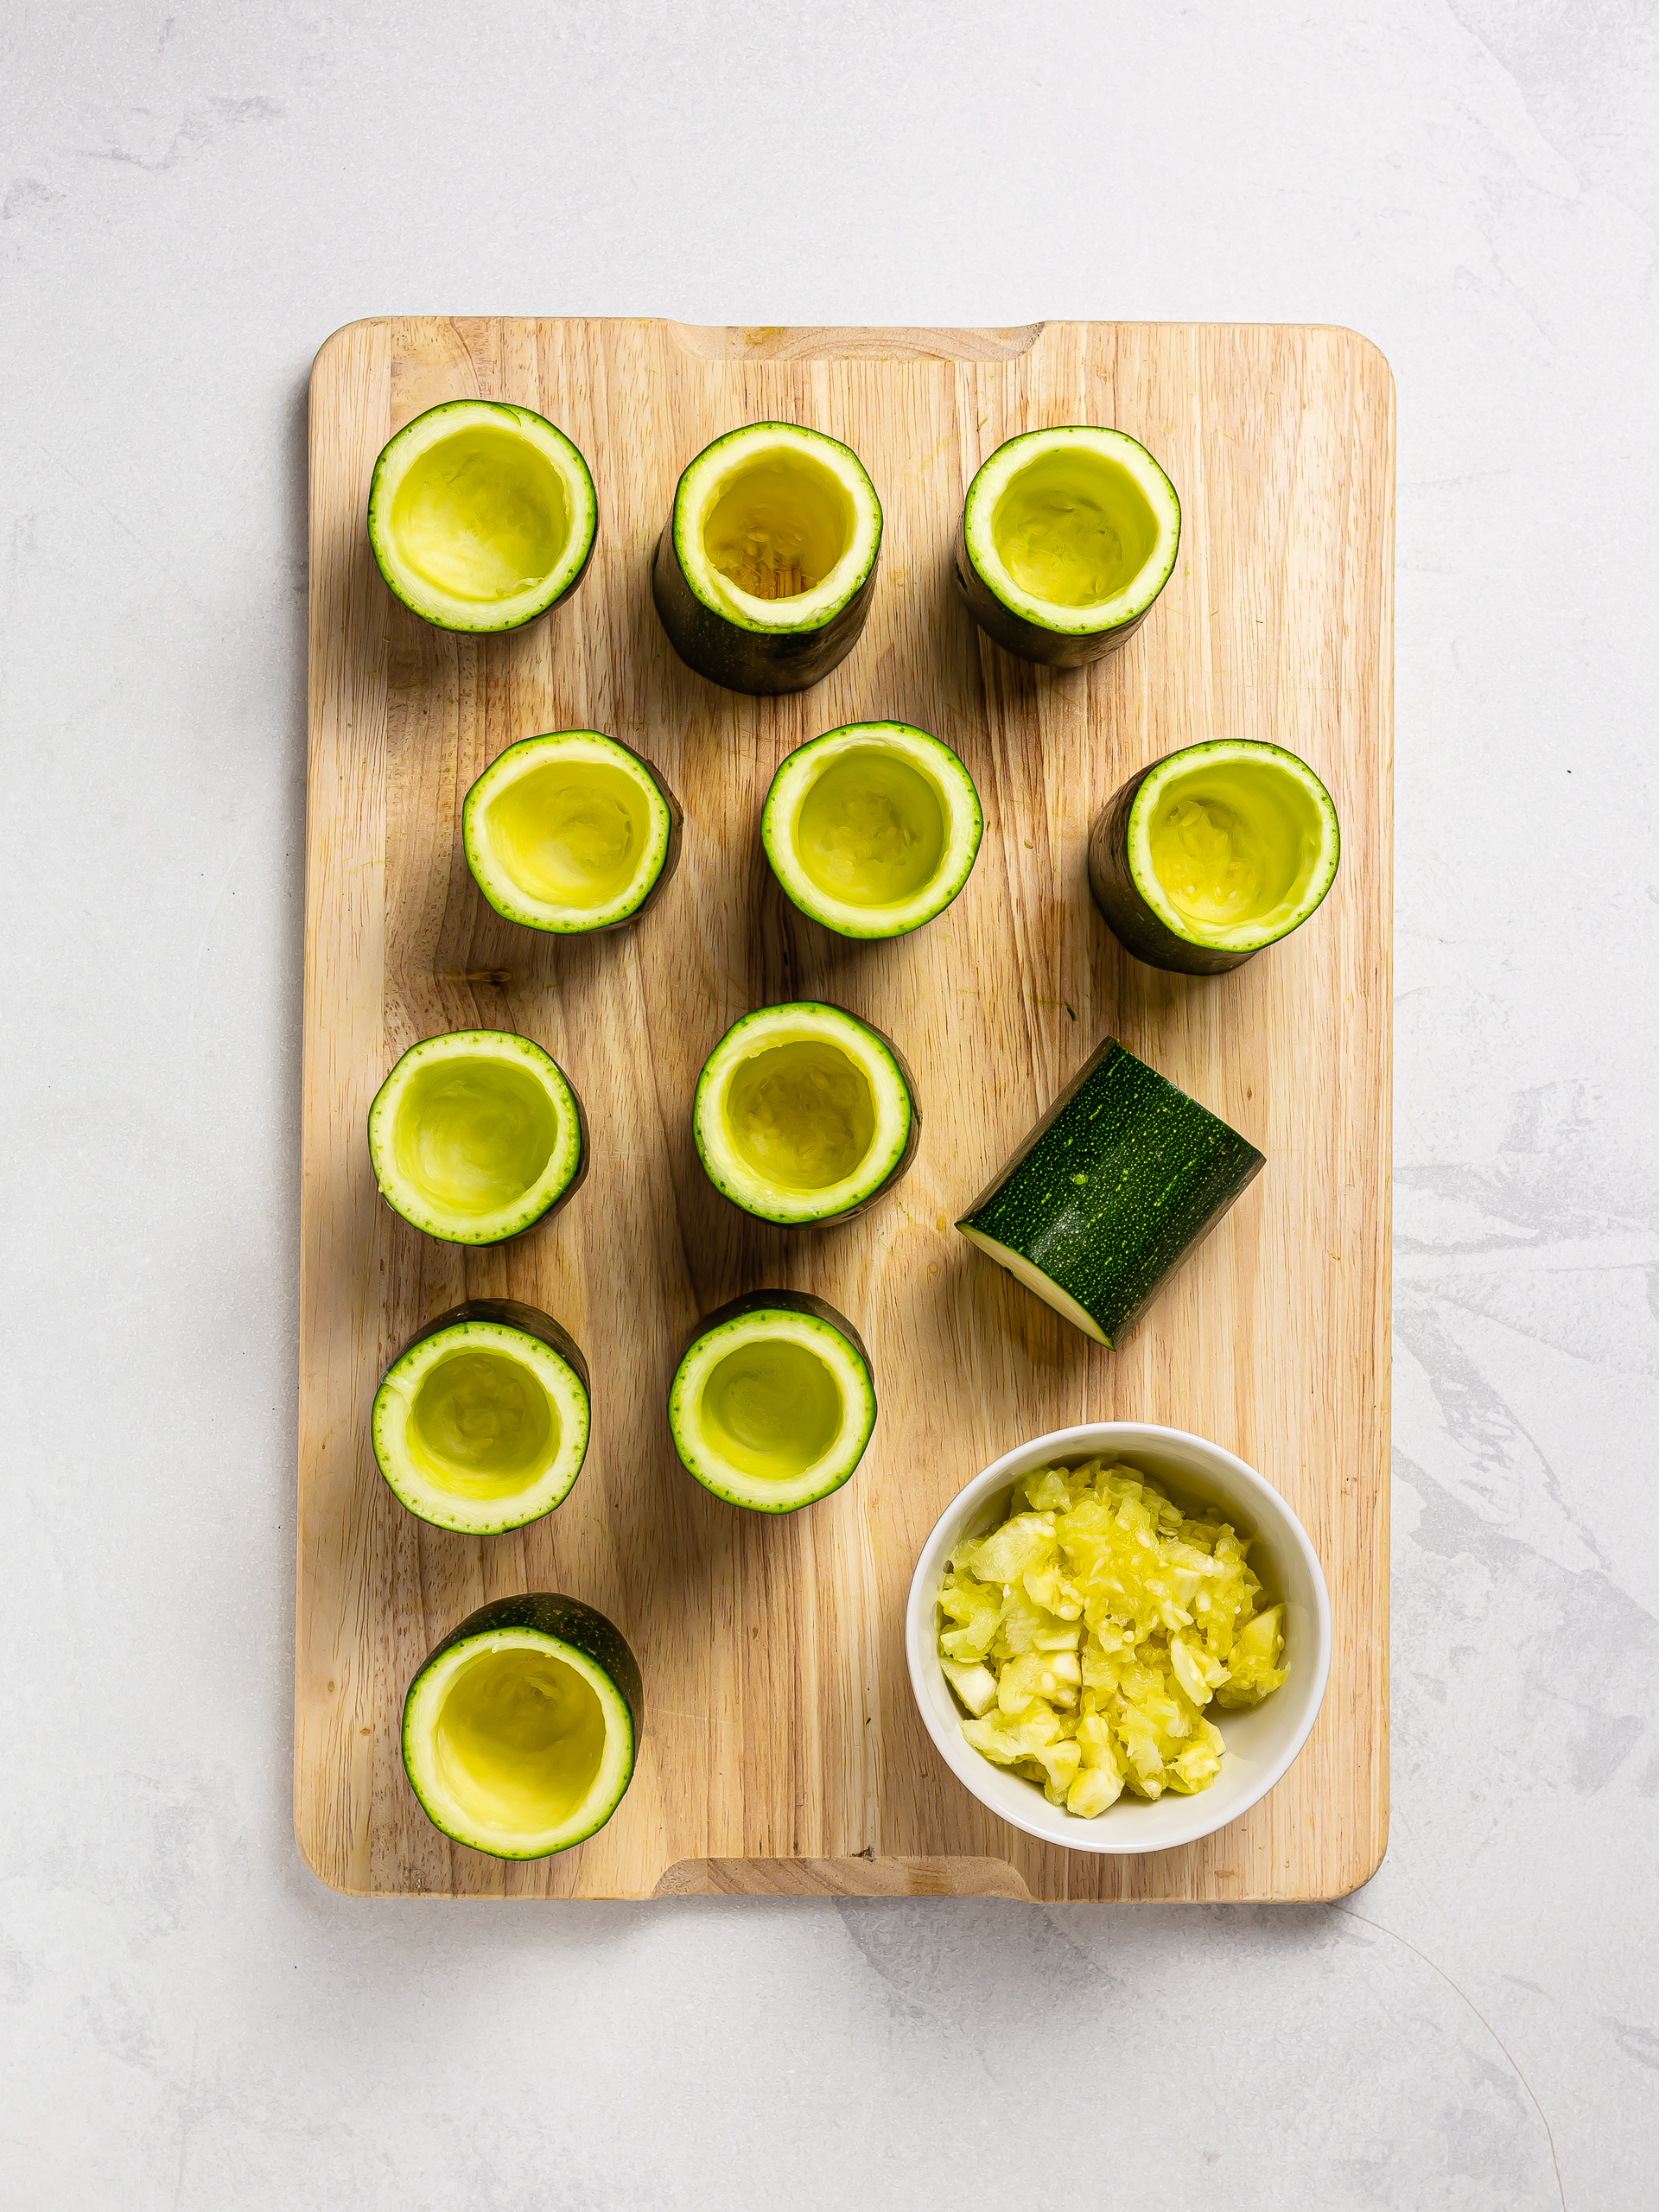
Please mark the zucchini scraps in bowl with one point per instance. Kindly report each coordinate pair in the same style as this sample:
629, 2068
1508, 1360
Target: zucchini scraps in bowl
1086, 1635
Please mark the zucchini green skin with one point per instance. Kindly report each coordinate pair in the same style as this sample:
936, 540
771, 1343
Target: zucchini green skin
759, 662
1118, 1184
568, 1621
1125, 914
507, 1314
791, 1301
1031, 640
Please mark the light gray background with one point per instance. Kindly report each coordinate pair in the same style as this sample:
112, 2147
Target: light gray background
190, 201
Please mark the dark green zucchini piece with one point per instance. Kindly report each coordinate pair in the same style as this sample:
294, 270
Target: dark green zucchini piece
1211, 853
482, 516
521, 1728
764, 574
1122, 1177
476, 1135
1067, 537
804, 1114
773, 1401
571, 832
480, 1423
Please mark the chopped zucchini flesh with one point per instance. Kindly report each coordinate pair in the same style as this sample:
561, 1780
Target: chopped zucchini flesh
1086, 1634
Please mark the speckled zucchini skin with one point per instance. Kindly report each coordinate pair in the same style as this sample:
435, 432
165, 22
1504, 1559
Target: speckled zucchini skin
759, 662
1120, 1181
1030, 640
507, 1314
1125, 914
788, 1301
571, 1623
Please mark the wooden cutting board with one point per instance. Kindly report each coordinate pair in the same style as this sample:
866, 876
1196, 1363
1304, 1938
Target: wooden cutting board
782, 1752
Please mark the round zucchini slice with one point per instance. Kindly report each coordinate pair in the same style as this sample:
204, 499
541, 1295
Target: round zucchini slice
520, 1730
1067, 537
476, 1135
1212, 853
480, 1423
774, 1402
804, 1114
872, 830
570, 832
481, 516
763, 576
1121, 1180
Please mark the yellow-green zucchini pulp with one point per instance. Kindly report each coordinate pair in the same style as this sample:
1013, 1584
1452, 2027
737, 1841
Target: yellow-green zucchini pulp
481, 516
571, 831
520, 1730
475, 1135
774, 1402
804, 1114
480, 1423
1212, 853
1067, 537
763, 576
872, 830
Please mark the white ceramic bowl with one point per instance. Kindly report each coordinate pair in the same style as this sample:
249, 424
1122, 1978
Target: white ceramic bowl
1261, 1743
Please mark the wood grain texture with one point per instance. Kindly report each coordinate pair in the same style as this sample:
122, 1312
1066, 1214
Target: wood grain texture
782, 1752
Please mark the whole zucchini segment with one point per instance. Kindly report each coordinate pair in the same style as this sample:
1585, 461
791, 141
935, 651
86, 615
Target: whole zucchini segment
521, 1729
872, 829
1117, 1185
481, 1422
571, 831
475, 1135
762, 577
1067, 537
774, 1402
482, 516
804, 1114
1212, 853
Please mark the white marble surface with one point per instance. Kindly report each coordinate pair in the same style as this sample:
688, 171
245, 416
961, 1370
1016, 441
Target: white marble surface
190, 200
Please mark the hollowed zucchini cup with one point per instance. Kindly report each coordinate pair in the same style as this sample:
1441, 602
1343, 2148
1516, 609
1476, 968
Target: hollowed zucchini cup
481, 1422
1213, 852
1067, 537
521, 1729
873, 829
804, 1114
481, 516
763, 576
476, 1136
571, 832
774, 1402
